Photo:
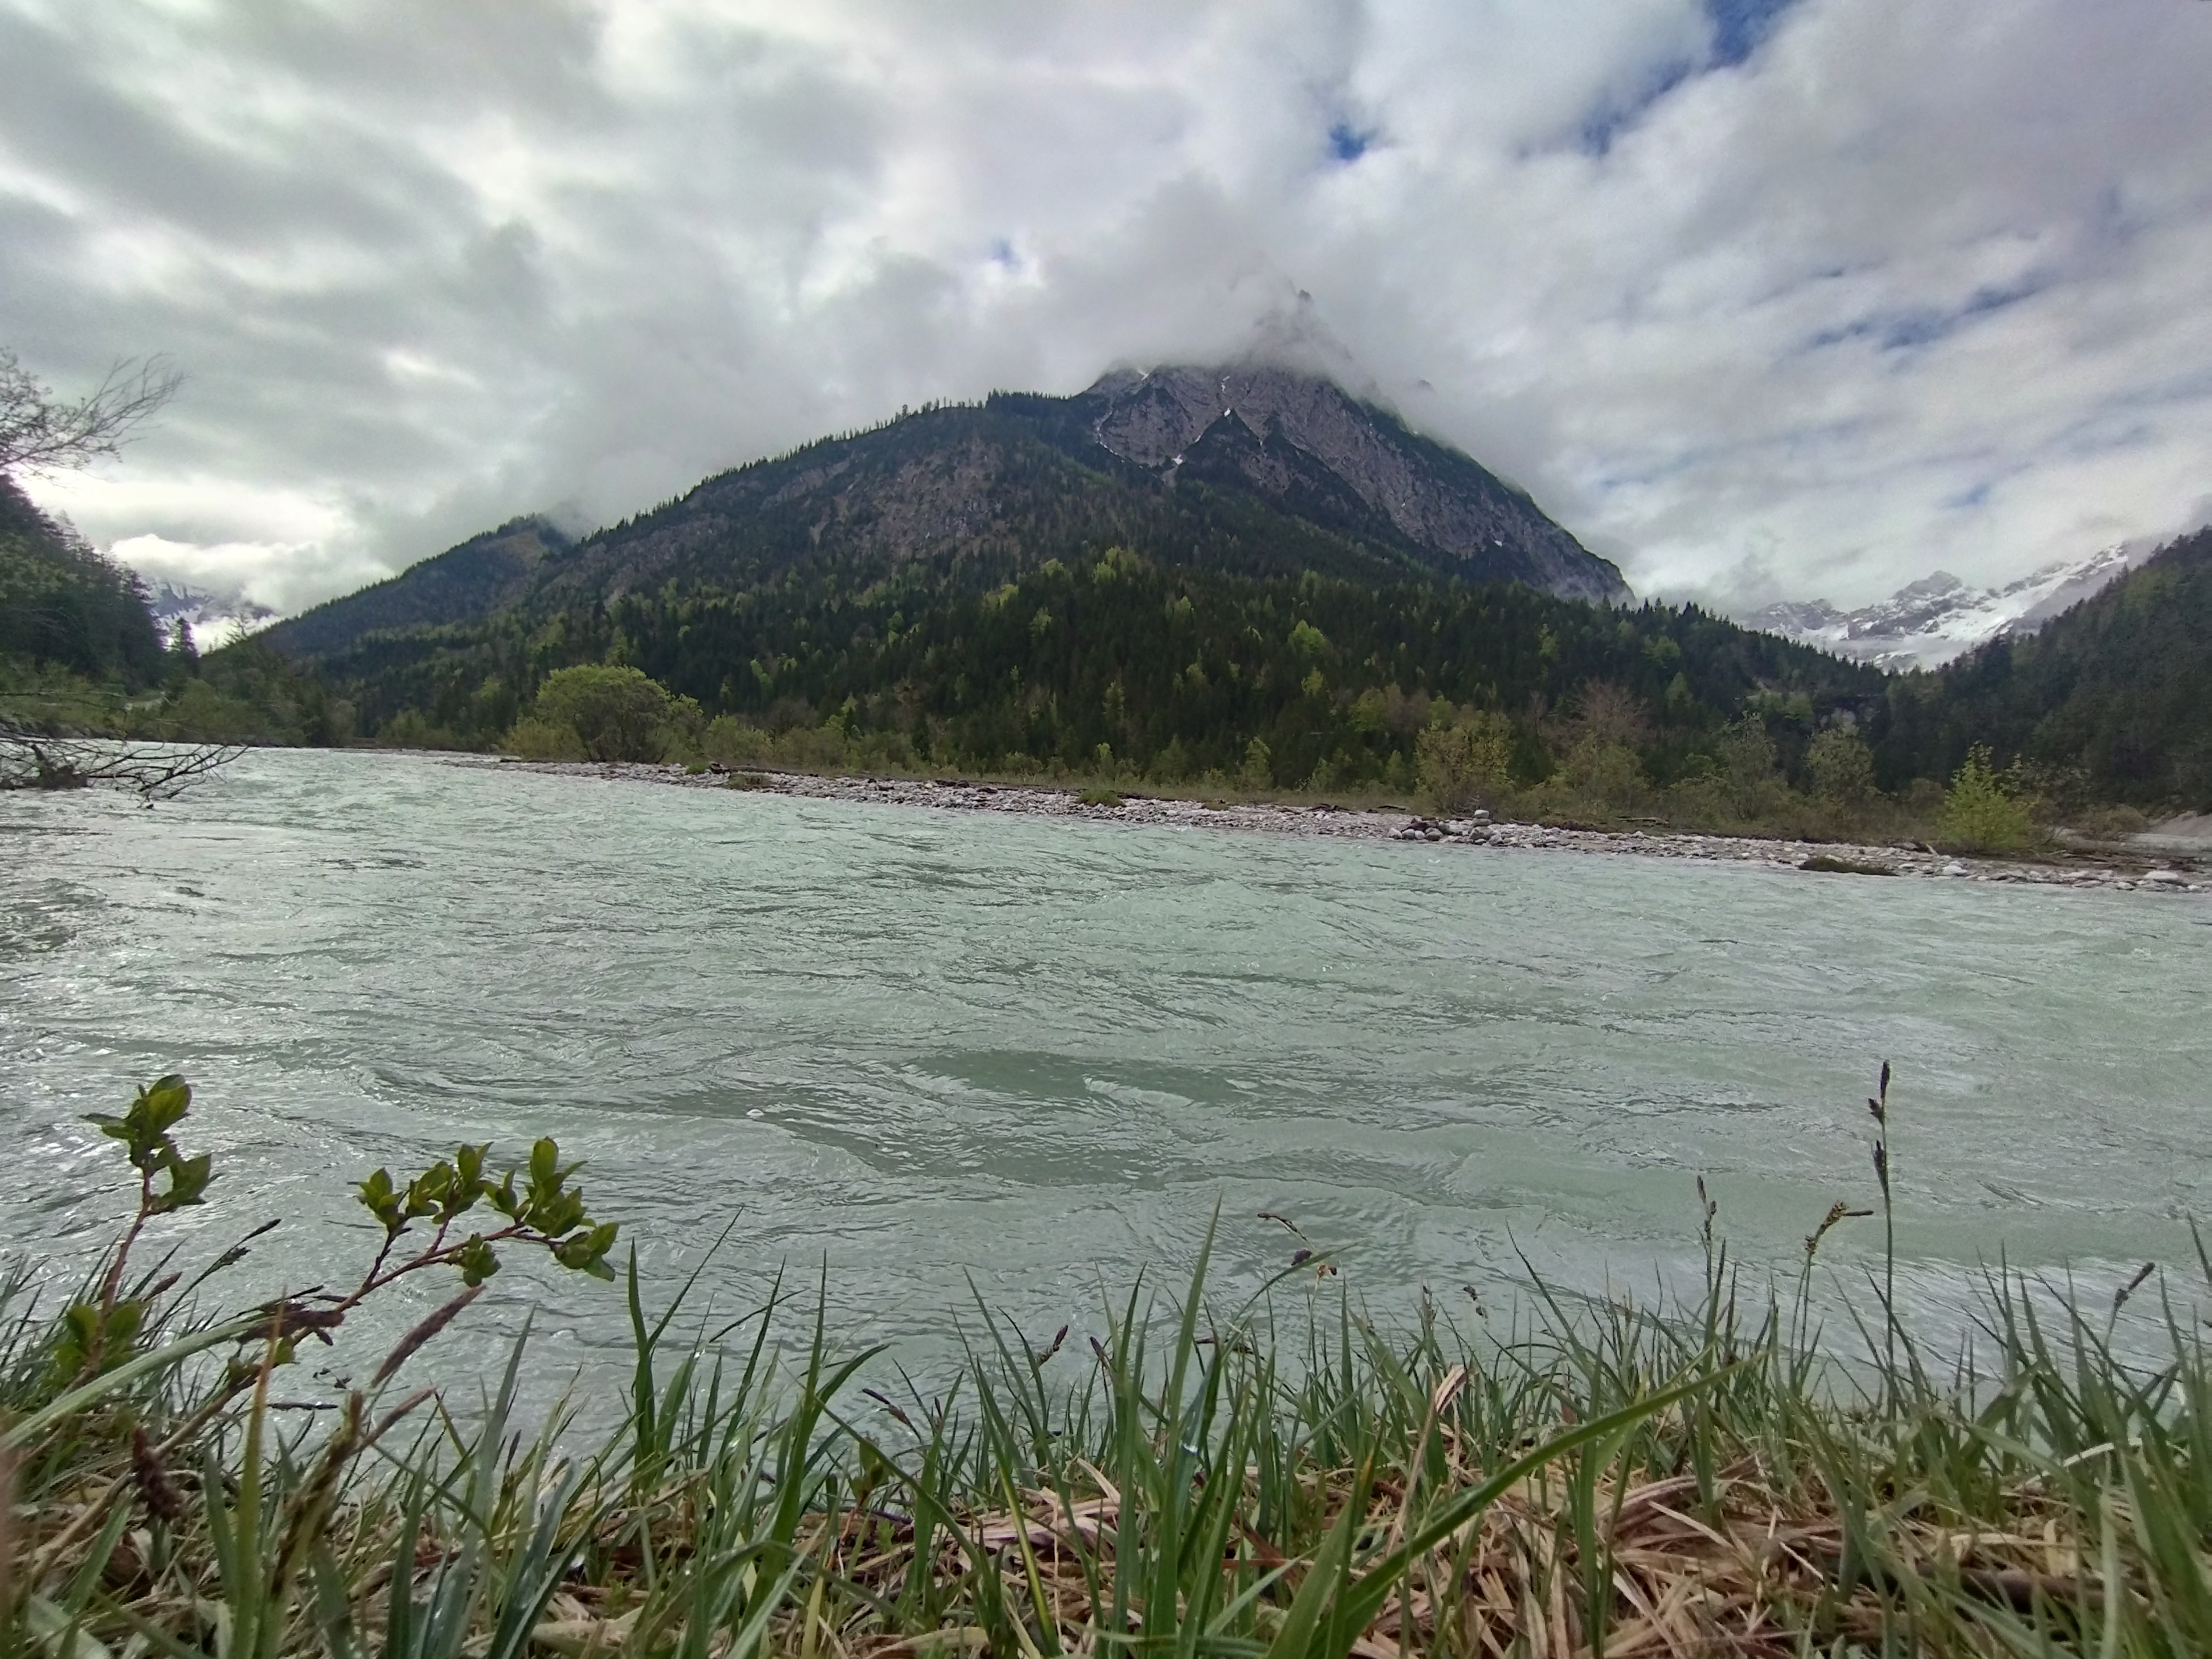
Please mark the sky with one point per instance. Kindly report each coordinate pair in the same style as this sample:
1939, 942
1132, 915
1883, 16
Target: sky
1761, 299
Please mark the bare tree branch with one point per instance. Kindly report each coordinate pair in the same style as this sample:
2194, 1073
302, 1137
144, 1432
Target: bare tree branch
32, 759
40, 434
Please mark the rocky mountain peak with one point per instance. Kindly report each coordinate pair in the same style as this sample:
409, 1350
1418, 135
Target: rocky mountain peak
1297, 437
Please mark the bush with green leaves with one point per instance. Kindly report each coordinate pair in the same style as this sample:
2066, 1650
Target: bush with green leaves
1841, 767
616, 712
543, 740
1466, 763
733, 742
1982, 811
1259, 769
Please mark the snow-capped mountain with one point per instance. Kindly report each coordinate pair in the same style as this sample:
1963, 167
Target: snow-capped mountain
215, 619
1927, 623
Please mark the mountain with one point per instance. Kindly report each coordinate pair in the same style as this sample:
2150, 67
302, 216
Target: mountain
1241, 570
213, 619
2113, 697
1242, 468
464, 584
1305, 445
1927, 622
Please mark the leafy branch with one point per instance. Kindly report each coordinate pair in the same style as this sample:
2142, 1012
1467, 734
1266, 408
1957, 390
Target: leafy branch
543, 1210
535, 1201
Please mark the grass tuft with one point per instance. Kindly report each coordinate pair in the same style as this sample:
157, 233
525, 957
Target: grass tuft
1703, 1477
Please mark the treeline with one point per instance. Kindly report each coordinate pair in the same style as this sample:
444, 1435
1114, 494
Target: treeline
2111, 701
64, 605
80, 653
1119, 664
1114, 665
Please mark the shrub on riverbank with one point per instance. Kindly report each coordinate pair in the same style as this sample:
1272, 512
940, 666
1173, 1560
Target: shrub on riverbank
1703, 1480
1983, 811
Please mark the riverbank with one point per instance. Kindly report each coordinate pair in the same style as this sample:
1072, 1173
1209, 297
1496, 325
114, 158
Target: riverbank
1569, 1479
2120, 868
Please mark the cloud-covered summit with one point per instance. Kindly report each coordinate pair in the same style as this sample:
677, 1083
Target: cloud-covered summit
1759, 298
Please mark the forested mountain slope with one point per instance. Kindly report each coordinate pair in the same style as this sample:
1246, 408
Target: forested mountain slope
64, 605
1291, 475
1176, 670
2117, 689
461, 584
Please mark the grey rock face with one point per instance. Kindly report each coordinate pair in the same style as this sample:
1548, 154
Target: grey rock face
1299, 440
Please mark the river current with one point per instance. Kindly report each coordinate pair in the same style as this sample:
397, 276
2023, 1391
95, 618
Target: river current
930, 1051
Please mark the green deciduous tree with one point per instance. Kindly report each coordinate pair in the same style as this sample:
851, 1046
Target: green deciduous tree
1842, 768
616, 712
1464, 764
1982, 812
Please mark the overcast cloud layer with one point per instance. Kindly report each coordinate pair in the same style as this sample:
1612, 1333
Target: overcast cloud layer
1759, 298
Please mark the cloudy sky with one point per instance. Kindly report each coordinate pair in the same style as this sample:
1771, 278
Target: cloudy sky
1759, 297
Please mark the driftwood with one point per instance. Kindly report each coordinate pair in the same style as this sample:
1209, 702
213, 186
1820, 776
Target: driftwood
32, 759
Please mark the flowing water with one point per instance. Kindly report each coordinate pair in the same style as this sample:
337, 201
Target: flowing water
931, 1050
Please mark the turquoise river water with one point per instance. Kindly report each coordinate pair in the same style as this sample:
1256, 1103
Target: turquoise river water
932, 1048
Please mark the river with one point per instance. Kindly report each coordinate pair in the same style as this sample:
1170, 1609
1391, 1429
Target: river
934, 1049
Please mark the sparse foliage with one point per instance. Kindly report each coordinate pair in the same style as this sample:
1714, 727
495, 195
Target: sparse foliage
40, 433
1465, 765
30, 759
1842, 769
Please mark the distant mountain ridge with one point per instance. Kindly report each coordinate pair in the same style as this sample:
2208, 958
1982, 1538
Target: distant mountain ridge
1290, 472
214, 619
1926, 623
464, 584
2115, 693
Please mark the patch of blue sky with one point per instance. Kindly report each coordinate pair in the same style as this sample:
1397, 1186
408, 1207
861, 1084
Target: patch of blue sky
1737, 28
1810, 438
2111, 430
1002, 253
1347, 142
1908, 328
1610, 119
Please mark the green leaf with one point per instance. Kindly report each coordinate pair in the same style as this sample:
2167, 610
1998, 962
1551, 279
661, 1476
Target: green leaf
378, 1197
81, 1333
428, 1192
586, 1251
475, 1261
468, 1163
164, 1103
188, 1181
557, 1215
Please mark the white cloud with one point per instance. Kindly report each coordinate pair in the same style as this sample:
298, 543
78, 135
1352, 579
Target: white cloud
1909, 285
